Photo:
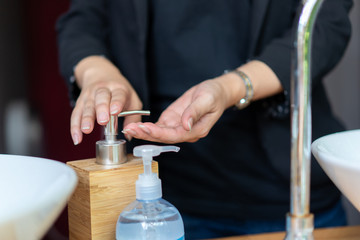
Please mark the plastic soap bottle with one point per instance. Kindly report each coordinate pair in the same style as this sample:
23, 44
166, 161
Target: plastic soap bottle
150, 217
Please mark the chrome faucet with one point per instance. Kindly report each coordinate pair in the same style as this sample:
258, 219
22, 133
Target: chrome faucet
300, 222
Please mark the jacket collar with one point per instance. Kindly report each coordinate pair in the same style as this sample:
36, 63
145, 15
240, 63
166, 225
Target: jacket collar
258, 12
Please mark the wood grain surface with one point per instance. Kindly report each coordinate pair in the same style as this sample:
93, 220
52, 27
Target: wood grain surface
338, 233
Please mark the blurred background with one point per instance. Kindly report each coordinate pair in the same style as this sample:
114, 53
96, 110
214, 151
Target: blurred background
34, 105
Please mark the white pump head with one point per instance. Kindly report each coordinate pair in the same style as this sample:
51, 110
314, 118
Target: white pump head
148, 186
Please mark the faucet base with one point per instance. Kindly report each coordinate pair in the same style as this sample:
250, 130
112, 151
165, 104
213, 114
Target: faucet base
299, 228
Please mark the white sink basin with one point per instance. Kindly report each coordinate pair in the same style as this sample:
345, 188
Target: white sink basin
339, 156
33, 192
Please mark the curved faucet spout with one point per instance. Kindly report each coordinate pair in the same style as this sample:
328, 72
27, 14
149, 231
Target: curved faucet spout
300, 221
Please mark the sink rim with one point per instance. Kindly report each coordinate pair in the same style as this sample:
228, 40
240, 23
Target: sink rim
323, 154
54, 199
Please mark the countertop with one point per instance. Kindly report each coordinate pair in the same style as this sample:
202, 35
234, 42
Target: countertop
337, 233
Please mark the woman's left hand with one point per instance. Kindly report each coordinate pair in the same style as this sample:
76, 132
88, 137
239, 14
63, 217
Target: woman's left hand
191, 116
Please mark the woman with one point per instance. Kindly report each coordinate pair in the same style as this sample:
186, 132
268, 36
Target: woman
232, 174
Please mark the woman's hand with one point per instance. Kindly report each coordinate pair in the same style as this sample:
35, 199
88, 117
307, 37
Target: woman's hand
104, 91
191, 116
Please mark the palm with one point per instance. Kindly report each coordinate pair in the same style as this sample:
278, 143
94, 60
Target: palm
175, 124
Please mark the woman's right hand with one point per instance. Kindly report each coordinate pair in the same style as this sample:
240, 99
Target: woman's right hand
104, 92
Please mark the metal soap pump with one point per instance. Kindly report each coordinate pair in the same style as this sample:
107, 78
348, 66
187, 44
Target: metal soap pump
112, 151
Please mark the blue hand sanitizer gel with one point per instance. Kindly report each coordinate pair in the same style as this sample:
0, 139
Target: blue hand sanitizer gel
150, 217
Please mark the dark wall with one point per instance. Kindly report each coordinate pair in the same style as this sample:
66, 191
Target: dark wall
12, 76
29, 73
47, 90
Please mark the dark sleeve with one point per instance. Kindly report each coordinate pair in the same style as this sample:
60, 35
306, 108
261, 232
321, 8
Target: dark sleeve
82, 32
331, 35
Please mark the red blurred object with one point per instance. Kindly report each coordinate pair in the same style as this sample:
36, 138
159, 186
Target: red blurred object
48, 95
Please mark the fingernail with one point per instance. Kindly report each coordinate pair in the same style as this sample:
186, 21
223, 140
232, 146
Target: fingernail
113, 109
103, 117
128, 137
129, 131
144, 128
190, 123
75, 138
85, 126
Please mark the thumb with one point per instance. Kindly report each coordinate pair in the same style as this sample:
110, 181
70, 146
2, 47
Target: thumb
195, 111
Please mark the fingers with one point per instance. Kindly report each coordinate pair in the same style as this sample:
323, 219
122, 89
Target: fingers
169, 118
88, 116
131, 119
164, 132
82, 119
133, 103
155, 133
99, 106
188, 119
102, 105
118, 98
195, 111
104, 91
75, 124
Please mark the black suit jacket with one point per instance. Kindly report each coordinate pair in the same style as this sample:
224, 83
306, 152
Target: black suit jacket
118, 29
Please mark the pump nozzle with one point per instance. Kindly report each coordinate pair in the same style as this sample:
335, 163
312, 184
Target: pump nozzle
153, 150
148, 185
149, 151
